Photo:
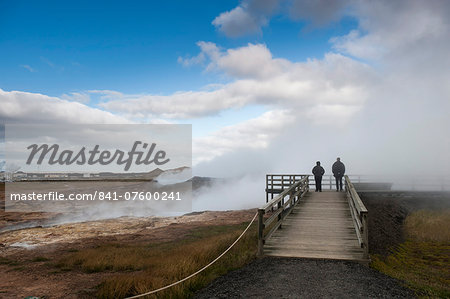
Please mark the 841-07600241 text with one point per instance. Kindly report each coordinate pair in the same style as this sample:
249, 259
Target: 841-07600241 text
140, 195
97, 195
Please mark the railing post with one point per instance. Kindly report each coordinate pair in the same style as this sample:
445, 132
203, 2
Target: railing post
280, 206
365, 223
261, 232
291, 196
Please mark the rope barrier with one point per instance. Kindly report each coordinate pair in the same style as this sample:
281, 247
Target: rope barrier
199, 271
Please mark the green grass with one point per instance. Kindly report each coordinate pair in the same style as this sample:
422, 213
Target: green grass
423, 261
140, 268
4, 261
20, 268
9, 262
40, 259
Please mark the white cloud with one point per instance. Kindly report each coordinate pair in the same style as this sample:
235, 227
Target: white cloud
181, 105
199, 59
251, 134
208, 50
238, 22
396, 28
247, 18
107, 94
26, 107
77, 97
47, 61
29, 68
250, 16
326, 91
252, 61
319, 12
260, 79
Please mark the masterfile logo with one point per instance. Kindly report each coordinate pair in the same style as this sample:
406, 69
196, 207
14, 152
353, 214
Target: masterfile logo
112, 148
94, 156
60, 168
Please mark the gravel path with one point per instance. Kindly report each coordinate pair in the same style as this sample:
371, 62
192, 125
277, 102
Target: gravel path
272, 277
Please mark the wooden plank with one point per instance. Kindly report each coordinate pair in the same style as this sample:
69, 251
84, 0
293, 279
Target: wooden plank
313, 235
328, 246
320, 226
318, 254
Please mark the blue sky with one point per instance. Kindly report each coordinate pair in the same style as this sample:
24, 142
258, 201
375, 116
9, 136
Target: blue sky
258, 79
57, 47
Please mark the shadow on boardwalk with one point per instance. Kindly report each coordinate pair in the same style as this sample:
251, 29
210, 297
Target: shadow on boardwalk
273, 277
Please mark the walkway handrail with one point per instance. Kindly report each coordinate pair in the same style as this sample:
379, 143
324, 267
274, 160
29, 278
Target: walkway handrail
283, 207
359, 215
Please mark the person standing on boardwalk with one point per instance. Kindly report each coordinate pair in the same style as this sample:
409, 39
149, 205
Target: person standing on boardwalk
318, 172
338, 172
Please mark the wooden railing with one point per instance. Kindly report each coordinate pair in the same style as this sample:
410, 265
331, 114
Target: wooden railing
277, 183
280, 208
359, 215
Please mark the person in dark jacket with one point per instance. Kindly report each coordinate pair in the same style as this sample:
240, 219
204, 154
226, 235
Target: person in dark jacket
338, 172
318, 172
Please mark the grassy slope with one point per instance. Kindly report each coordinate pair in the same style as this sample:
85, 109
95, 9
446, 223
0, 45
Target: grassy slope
423, 260
140, 268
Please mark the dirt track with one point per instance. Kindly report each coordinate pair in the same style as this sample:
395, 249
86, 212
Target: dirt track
271, 277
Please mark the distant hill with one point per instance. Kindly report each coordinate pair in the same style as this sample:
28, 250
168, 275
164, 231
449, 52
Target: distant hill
96, 176
153, 174
199, 182
179, 169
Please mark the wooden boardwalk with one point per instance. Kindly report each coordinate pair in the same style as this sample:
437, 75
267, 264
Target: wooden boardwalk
320, 226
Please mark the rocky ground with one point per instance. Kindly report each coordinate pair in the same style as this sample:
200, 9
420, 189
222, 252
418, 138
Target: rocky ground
272, 277
25, 254
30, 241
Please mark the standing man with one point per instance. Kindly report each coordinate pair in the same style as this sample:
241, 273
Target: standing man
318, 172
338, 172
